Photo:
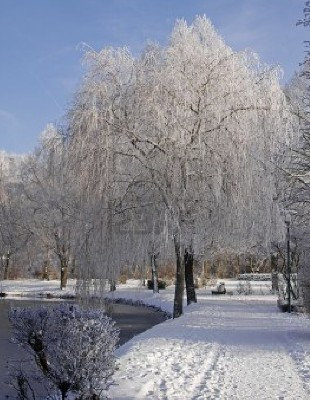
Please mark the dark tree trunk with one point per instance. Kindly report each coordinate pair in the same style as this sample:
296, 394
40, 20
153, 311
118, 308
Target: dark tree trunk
6, 266
36, 343
64, 388
189, 277
154, 273
45, 272
179, 284
112, 285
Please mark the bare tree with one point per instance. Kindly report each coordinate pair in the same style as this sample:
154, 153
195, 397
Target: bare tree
296, 165
51, 199
14, 234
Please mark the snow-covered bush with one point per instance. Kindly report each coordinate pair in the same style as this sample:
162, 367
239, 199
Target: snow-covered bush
244, 288
72, 348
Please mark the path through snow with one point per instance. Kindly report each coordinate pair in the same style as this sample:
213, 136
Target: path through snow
220, 349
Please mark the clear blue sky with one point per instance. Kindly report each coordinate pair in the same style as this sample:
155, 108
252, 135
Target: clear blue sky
40, 64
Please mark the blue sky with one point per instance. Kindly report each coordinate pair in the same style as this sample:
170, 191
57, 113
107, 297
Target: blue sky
40, 64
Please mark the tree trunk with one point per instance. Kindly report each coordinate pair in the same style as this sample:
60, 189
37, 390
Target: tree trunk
154, 273
112, 285
45, 275
63, 273
179, 284
63, 255
6, 266
189, 277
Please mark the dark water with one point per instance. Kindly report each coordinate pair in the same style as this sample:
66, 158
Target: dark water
131, 320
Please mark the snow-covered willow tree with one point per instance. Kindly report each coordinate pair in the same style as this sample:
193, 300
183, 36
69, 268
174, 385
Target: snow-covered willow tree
99, 158
183, 140
296, 163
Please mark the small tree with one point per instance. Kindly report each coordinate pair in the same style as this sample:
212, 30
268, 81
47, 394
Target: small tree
72, 348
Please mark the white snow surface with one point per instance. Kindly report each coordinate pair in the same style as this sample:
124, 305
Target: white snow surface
223, 347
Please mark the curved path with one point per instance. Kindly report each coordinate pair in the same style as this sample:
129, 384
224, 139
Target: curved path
220, 350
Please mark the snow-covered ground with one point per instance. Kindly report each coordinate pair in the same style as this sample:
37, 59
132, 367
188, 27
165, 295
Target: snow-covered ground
223, 347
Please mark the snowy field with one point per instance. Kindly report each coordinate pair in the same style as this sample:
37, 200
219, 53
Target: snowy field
223, 347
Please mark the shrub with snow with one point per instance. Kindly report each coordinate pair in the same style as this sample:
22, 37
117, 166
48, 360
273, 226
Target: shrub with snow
244, 288
72, 348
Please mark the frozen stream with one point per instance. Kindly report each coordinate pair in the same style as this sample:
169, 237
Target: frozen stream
131, 321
